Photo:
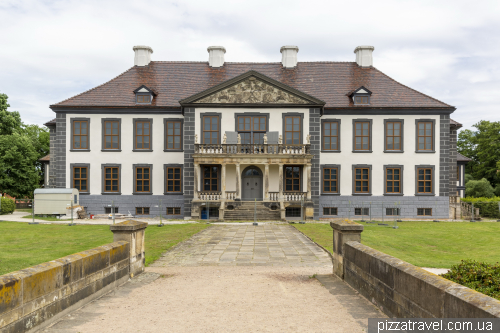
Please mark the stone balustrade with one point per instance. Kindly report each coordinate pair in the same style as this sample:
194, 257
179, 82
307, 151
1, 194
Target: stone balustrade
209, 196
294, 196
274, 196
230, 195
246, 149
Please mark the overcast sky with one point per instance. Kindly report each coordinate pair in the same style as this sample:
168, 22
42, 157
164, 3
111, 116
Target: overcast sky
52, 50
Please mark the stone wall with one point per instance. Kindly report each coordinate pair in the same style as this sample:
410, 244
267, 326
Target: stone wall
37, 296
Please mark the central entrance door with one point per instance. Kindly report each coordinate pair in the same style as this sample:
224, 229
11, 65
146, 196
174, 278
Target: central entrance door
251, 184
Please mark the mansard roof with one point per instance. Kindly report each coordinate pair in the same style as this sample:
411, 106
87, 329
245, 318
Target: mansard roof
330, 82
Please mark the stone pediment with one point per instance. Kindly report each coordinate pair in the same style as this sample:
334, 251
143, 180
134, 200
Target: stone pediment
252, 88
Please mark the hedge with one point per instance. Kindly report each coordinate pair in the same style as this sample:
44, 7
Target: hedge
488, 207
8, 206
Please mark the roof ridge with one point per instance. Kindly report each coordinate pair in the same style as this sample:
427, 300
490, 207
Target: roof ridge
390, 78
86, 91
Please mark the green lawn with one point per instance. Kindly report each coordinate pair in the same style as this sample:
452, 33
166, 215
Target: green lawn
23, 245
424, 244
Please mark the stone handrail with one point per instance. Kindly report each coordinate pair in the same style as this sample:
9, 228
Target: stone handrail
294, 196
209, 196
246, 149
274, 196
230, 195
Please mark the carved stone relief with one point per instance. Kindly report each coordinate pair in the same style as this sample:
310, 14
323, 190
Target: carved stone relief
253, 90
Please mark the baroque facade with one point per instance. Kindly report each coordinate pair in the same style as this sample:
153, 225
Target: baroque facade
287, 140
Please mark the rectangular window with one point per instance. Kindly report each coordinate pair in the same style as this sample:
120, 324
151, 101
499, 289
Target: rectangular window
292, 178
141, 210
362, 135
424, 211
361, 211
111, 135
292, 212
80, 134
361, 180
143, 179
425, 135
174, 137
331, 135
293, 132
393, 180
173, 210
329, 210
146, 99
174, 179
330, 180
361, 100
111, 179
393, 135
211, 178
424, 180
143, 135
252, 129
107, 210
392, 211
80, 179
210, 130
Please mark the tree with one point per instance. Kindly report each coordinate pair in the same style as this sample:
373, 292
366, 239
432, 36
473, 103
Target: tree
40, 139
479, 188
10, 122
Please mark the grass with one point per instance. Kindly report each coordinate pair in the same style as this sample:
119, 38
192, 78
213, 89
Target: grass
23, 245
424, 244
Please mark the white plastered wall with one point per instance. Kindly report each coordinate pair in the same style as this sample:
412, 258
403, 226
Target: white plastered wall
377, 159
127, 158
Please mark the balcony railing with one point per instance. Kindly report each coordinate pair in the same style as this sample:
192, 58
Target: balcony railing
231, 195
247, 149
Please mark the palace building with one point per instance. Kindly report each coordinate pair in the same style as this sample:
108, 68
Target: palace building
289, 140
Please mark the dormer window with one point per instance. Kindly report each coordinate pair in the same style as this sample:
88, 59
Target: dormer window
361, 96
143, 95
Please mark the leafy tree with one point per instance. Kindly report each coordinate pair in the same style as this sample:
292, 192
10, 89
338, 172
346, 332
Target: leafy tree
9, 121
468, 177
479, 188
40, 139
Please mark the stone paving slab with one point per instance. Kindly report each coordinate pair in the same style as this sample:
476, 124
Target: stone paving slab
263, 245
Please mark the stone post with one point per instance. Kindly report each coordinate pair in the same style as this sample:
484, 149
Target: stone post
238, 178
309, 180
196, 181
132, 232
280, 194
223, 192
266, 182
343, 231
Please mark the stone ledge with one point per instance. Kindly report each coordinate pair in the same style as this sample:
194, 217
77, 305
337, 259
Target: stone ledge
346, 225
129, 225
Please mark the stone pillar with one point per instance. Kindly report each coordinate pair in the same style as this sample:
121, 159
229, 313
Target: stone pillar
196, 180
343, 231
281, 181
223, 192
280, 194
266, 182
309, 179
132, 232
238, 181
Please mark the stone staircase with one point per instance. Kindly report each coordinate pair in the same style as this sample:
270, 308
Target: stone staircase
245, 212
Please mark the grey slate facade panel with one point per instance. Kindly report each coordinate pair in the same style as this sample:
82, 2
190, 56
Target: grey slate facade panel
315, 132
60, 149
188, 160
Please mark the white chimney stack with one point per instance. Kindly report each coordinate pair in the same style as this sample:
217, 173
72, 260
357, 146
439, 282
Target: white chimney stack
289, 56
216, 56
364, 57
142, 55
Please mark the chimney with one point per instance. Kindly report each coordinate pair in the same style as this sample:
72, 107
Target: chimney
364, 56
216, 56
142, 55
289, 56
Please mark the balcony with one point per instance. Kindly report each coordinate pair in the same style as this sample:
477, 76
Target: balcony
232, 195
243, 150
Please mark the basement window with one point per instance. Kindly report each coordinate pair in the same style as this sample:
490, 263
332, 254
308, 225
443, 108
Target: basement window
361, 211
329, 210
107, 210
173, 210
424, 211
293, 212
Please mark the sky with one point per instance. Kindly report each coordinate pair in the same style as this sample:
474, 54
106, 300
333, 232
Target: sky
52, 50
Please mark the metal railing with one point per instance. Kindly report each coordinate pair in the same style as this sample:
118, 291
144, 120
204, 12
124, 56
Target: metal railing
246, 149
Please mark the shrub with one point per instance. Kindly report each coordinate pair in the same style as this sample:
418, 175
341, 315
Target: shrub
468, 177
479, 188
488, 207
479, 276
8, 206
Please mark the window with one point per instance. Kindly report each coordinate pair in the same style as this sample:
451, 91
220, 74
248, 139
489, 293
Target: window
330, 180
173, 131
393, 135
361, 211
111, 129
293, 212
362, 180
213, 212
174, 179
80, 134
424, 181
252, 129
329, 210
210, 178
211, 130
393, 180
141, 210
425, 136
111, 179
142, 135
362, 136
392, 211
293, 130
331, 135
80, 179
143, 98
142, 179
424, 211
107, 210
173, 210
292, 178
362, 100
